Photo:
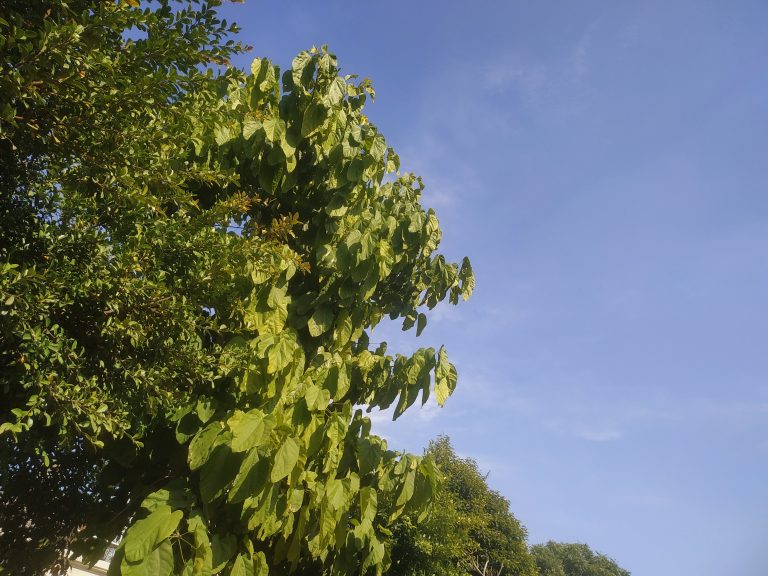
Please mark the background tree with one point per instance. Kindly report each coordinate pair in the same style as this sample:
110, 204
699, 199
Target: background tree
558, 559
91, 350
469, 529
191, 261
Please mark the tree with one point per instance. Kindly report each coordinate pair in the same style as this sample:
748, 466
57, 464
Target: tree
191, 261
558, 559
468, 531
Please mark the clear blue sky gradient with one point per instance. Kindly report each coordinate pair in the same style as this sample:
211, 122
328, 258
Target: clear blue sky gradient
605, 167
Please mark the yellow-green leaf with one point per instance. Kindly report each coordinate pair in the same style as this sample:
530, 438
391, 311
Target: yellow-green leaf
148, 532
285, 460
248, 430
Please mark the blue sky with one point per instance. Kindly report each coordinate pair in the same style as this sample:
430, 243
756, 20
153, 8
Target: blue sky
604, 165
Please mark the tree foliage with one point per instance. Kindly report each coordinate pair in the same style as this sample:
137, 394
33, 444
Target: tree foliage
192, 259
558, 559
469, 529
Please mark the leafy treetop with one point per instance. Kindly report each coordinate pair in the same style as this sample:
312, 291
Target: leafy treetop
468, 531
191, 262
559, 559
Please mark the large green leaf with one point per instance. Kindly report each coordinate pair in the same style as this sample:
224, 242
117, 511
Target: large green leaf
218, 473
334, 493
314, 116
285, 460
378, 148
260, 566
242, 566
368, 456
320, 322
368, 503
251, 477
222, 550
250, 127
158, 562
407, 488
280, 354
147, 533
248, 430
274, 128
202, 444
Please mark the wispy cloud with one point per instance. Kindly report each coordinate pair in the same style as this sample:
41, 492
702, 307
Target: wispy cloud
599, 435
581, 52
426, 157
511, 73
559, 82
595, 427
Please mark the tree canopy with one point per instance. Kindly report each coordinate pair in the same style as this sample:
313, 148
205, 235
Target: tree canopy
559, 559
469, 530
192, 259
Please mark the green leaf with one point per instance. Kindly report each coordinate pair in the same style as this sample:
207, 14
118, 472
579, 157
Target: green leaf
421, 323
343, 329
368, 503
334, 494
445, 377
176, 221
147, 533
270, 176
250, 127
285, 460
406, 490
314, 116
467, 278
248, 430
378, 148
296, 500
203, 555
176, 495
267, 314
274, 128
222, 548
242, 566
337, 91
256, 65
158, 562
218, 473
355, 170
206, 408
302, 71
260, 567
320, 322
202, 444
250, 478
280, 354
310, 396
368, 456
